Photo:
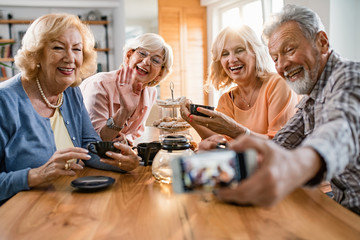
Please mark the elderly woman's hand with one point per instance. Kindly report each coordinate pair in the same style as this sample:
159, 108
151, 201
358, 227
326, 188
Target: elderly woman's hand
129, 90
122, 139
185, 110
218, 122
211, 142
58, 165
126, 160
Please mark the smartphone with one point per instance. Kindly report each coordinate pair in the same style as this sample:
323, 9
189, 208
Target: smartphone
193, 109
206, 171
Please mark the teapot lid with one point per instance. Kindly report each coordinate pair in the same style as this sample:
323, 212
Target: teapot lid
175, 142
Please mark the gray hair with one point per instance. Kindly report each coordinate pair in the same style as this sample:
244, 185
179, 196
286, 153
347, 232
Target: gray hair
152, 42
308, 21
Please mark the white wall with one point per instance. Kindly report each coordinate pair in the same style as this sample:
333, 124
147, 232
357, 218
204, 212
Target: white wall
345, 28
342, 23
119, 33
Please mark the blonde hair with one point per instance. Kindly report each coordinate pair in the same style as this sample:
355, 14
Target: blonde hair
217, 75
46, 29
153, 42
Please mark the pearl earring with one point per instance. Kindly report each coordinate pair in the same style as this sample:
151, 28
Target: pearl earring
37, 65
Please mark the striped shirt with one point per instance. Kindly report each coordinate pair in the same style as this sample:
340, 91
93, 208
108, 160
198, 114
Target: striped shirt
328, 120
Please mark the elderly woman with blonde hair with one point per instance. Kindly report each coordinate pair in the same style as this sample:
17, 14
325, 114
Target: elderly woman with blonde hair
44, 125
119, 102
259, 102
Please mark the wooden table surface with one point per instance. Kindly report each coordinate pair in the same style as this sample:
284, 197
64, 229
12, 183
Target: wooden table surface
138, 207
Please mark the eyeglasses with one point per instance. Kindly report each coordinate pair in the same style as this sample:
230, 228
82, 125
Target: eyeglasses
155, 60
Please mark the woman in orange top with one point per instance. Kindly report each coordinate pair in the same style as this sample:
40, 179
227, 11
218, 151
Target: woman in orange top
260, 103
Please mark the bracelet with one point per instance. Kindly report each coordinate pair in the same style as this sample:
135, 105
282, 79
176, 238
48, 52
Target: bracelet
247, 132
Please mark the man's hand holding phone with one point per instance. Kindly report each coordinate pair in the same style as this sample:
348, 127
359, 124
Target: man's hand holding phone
210, 170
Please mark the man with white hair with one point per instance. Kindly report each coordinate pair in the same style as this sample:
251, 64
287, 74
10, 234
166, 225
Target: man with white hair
321, 141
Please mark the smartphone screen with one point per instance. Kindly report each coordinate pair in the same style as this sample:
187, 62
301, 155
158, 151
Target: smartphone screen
208, 170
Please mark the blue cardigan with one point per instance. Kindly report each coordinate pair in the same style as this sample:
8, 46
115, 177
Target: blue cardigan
27, 140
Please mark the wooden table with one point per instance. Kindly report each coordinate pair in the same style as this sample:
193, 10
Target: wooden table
138, 207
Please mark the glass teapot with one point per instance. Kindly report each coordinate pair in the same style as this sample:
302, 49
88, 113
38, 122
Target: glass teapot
171, 146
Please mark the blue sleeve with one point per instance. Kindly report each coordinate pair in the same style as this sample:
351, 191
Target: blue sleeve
89, 135
11, 182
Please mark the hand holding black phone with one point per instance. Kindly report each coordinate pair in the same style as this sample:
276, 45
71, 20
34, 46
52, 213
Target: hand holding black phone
194, 111
206, 171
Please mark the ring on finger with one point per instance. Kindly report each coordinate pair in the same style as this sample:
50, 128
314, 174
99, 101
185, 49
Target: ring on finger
207, 125
67, 166
119, 163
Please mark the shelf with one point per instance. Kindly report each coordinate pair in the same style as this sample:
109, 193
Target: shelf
102, 49
6, 59
7, 40
14, 21
100, 22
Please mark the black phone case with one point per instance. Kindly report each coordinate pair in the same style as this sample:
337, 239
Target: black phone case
193, 109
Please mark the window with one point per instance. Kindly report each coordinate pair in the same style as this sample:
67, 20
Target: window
249, 13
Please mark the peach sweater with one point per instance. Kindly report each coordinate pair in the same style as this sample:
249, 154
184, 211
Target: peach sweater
274, 106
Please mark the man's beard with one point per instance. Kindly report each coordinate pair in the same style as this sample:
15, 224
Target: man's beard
302, 85
305, 84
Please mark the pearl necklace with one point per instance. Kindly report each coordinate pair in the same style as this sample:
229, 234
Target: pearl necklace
60, 101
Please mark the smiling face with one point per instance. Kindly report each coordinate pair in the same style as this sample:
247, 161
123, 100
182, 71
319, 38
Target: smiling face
146, 65
297, 59
61, 61
237, 61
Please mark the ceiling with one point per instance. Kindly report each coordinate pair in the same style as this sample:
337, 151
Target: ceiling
144, 9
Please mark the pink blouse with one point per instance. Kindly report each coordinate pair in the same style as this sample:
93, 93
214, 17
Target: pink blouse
101, 99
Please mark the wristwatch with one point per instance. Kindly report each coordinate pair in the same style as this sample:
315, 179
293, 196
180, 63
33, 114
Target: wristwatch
110, 124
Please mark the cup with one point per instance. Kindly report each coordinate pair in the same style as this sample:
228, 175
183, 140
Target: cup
147, 151
100, 148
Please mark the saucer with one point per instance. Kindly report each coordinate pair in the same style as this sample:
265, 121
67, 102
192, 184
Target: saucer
92, 182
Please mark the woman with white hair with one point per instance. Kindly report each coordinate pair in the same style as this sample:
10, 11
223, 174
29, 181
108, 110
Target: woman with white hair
120, 101
259, 102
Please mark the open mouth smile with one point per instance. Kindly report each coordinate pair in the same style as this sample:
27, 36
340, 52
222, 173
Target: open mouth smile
292, 75
236, 68
142, 70
66, 71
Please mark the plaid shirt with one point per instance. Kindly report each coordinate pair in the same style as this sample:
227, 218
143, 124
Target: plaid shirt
328, 120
